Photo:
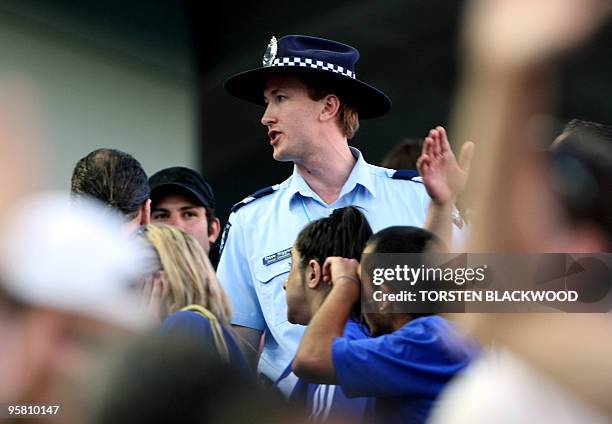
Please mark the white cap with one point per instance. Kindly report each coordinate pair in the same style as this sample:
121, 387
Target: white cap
71, 257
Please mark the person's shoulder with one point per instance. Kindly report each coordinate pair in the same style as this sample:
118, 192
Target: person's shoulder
252, 198
185, 317
355, 331
186, 322
259, 198
432, 320
427, 326
396, 175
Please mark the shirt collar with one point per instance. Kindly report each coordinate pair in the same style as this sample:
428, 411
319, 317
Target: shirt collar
360, 175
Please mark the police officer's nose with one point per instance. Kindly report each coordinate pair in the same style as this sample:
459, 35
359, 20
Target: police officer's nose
267, 119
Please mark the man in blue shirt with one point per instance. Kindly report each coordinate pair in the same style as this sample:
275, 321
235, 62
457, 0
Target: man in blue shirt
409, 360
313, 104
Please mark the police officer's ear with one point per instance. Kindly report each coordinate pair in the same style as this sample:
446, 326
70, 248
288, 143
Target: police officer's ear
331, 107
313, 274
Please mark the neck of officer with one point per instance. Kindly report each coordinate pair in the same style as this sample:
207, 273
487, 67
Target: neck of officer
327, 170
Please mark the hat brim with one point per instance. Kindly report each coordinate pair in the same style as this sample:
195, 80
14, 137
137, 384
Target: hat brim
367, 100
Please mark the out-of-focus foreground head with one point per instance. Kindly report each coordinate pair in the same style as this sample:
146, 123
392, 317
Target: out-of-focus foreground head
20, 136
171, 379
582, 165
67, 292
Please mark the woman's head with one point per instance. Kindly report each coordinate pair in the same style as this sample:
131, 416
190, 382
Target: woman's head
189, 274
344, 233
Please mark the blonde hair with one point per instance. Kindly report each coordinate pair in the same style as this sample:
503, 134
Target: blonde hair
191, 277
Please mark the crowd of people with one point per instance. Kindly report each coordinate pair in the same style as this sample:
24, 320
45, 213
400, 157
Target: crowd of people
126, 300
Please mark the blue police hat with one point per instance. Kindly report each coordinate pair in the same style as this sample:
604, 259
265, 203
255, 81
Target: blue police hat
328, 59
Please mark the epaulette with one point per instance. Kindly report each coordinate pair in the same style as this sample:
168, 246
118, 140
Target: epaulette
407, 174
257, 195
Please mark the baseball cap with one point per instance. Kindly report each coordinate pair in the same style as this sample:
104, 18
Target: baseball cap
185, 178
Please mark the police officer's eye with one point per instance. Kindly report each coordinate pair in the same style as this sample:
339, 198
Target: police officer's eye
280, 98
158, 217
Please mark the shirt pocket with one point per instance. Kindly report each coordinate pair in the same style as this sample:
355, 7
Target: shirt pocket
269, 280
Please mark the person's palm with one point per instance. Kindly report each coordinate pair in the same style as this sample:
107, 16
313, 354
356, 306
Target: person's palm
443, 176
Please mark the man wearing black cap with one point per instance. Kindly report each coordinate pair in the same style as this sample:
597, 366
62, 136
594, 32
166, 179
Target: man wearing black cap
313, 103
182, 198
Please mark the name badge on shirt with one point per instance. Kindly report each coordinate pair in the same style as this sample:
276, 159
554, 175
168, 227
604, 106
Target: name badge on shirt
277, 257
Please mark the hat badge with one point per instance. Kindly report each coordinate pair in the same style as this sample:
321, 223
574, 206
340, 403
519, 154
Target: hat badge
271, 51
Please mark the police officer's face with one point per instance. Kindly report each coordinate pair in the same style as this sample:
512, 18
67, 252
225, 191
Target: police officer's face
291, 117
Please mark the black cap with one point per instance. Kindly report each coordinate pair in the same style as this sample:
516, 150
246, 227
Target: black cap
185, 178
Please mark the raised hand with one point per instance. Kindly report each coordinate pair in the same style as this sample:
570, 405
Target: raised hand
336, 268
443, 176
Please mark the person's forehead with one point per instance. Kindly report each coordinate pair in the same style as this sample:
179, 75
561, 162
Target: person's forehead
283, 82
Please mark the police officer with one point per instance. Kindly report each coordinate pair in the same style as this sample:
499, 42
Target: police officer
313, 102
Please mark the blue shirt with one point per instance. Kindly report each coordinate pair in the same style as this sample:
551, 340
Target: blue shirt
255, 259
326, 401
405, 370
197, 328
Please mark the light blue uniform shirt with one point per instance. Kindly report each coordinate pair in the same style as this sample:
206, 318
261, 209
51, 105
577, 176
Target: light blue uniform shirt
256, 257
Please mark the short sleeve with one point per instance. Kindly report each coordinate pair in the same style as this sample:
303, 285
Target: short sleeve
235, 276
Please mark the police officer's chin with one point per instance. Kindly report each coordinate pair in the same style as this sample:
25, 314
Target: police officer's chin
280, 156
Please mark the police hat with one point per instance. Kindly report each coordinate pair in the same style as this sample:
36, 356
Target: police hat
301, 54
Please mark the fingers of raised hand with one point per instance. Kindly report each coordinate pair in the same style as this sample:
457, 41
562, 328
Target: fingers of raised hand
435, 135
335, 266
423, 164
444, 144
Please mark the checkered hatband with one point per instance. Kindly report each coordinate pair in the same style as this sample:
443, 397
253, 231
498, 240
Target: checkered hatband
314, 64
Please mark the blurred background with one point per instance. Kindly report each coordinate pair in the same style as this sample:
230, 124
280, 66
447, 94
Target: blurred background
146, 77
